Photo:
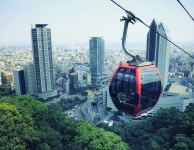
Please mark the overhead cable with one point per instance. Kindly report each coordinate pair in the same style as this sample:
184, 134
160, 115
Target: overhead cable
137, 18
185, 9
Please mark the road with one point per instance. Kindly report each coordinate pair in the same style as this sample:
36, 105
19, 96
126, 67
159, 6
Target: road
86, 111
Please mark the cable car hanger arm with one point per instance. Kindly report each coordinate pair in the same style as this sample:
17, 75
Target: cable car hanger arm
131, 18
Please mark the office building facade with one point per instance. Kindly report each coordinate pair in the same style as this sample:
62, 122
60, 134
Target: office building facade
42, 58
96, 48
6, 77
107, 101
157, 50
19, 82
73, 84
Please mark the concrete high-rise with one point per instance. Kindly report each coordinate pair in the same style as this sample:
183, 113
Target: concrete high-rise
73, 85
19, 82
157, 50
96, 59
42, 57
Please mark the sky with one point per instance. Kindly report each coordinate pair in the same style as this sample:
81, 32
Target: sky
75, 21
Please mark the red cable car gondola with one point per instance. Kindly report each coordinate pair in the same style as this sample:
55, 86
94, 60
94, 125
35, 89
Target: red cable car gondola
136, 86
135, 89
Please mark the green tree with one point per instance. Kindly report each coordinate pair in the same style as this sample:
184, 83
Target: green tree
180, 146
26, 123
92, 138
154, 145
5, 90
84, 93
16, 131
183, 142
36, 109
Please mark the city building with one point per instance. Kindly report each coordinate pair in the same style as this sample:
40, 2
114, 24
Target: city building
96, 48
87, 77
3, 79
157, 51
177, 96
73, 84
66, 86
29, 73
0, 80
42, 58
107, 101
80, 77
9, 77
19, 82
6, 77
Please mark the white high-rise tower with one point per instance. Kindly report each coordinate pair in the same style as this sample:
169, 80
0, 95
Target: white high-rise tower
42, 57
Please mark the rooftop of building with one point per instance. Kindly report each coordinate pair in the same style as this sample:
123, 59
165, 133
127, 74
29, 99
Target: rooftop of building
73, 74
39, 25
179, 89
96, 37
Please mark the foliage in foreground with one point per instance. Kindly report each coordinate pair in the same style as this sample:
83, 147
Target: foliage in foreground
168, 129
26, 123
5, 90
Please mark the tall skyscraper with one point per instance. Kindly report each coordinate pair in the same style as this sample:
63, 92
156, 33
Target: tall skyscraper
97, 59
157, 51
42, 57
19, 82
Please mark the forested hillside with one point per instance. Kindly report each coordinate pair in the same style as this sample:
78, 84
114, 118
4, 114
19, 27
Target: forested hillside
168, 129
26, 123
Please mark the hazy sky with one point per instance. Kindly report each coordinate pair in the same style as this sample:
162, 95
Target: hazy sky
74, 21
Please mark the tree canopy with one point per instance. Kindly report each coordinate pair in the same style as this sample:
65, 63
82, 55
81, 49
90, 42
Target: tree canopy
16, 130
26, 123
167, 129
90, 137
5, 90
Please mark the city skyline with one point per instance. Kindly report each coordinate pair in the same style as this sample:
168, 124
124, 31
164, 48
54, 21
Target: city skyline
74, 21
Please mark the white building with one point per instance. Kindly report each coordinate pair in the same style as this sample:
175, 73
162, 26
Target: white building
177, 96
87, 77
42, 57
66, 86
